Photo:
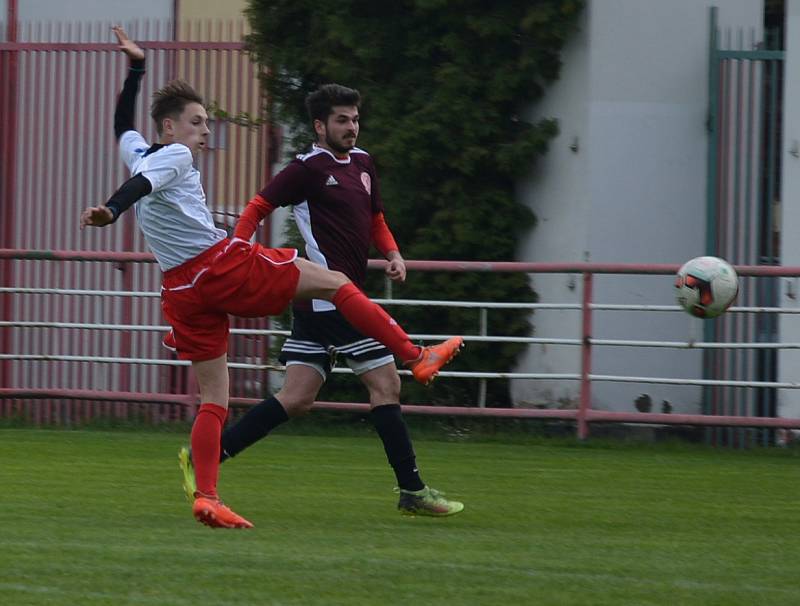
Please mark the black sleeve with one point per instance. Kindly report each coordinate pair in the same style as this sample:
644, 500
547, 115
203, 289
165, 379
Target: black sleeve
134, 188
126, 102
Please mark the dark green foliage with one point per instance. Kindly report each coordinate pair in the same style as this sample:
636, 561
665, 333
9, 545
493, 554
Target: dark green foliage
444, 87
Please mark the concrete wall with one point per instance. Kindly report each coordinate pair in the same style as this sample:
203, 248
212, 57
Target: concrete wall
3, 18
105, 12
789, 360
210, 9
633, 98
86, 20
93, 10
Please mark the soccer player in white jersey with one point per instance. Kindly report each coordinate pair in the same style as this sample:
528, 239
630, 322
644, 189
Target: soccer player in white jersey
335, 195
206, 276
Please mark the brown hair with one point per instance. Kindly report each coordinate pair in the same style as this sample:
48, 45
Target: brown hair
169, 101
320, 103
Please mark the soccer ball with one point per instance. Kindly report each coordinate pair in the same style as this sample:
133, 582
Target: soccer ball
706, 286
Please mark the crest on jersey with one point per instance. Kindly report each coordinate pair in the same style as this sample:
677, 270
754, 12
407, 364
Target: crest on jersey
367, 182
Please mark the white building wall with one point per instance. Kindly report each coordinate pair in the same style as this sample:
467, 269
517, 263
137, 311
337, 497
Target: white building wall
633, 97
94, 16
789, 360
3, 19
115, 11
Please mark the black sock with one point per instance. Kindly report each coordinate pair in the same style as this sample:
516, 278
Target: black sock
391, 427
255, 424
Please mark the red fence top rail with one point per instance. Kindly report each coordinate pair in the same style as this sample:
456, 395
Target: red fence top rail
76, 255
98, 46
457, 266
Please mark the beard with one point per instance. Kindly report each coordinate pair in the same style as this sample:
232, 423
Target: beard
339, 148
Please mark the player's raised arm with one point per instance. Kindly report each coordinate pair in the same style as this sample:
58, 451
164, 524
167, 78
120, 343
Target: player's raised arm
126, 102
251, 217
126, 196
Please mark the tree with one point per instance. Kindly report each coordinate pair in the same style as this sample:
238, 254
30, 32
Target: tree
444, 86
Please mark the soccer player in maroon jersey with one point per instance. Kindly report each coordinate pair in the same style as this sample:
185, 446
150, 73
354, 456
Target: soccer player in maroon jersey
334, 193
207, 276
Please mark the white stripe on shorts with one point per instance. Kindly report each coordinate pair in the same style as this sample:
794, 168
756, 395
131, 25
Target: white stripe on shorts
305, 347
361, 347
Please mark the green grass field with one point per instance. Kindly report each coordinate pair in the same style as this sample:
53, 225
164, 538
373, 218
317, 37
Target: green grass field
92, 517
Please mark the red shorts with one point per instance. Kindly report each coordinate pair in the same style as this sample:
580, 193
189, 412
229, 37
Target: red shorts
232, 277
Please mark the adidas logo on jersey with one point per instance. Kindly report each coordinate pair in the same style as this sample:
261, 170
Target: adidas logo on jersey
331, 181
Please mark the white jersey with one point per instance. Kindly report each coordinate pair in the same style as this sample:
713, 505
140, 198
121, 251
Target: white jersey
173, 217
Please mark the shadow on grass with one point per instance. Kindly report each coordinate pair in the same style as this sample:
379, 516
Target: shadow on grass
451, 429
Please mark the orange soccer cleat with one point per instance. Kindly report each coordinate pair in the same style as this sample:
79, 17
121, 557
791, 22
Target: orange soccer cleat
213, 512
432, 358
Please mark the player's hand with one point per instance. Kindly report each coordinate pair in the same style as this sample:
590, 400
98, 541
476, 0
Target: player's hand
96, 216
126, 45
396, 269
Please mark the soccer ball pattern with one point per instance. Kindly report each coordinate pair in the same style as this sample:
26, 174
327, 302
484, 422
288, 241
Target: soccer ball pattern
706, 286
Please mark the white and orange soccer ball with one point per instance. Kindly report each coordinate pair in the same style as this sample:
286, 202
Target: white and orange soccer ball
706, 286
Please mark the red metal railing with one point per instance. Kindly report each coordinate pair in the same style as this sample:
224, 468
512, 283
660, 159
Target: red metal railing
58, 155
583, 416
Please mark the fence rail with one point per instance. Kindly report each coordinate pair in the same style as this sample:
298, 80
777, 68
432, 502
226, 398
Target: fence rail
583, 415
57, 100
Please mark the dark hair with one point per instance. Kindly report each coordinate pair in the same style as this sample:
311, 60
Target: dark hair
320, 103
169, 101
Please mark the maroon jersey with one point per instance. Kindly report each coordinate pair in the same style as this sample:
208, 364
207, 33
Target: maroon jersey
334, 202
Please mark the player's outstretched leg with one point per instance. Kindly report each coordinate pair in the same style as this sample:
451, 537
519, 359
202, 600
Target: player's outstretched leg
373, 321
433, 357
427, 502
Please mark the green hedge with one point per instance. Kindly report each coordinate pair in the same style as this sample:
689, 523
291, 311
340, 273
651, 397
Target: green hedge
445, 85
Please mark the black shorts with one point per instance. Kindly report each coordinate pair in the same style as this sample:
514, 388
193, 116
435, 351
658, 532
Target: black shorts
318, 337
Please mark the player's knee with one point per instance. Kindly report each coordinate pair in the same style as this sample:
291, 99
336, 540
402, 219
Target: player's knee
296, 406
317, 282
338, 279
332, 282
386, 393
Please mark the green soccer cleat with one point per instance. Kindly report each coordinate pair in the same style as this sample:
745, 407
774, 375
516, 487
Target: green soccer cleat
186, 466
427, 502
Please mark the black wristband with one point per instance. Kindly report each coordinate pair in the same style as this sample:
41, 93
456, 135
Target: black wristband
126, 196
113, 206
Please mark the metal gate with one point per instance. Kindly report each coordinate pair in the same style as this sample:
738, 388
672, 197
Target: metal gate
59, 156
743, 208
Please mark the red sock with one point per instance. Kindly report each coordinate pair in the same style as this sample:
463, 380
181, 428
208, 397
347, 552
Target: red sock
206, 433
370, 319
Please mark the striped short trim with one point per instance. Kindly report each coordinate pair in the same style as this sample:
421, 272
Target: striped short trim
318, 338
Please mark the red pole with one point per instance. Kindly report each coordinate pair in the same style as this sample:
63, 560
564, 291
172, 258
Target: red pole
8, 154
586, 358
176, 14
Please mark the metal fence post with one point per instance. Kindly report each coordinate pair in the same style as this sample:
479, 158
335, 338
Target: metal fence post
484, 330
586, 357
